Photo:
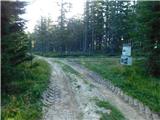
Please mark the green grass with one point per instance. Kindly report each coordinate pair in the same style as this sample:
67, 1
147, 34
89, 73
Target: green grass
131, 79
114, 114
22, 100
72, 54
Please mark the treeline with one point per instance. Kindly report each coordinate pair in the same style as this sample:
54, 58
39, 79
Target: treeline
105, 26
102, 28
65, 36
53, 38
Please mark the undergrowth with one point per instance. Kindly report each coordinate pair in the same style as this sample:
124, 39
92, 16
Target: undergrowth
22, 101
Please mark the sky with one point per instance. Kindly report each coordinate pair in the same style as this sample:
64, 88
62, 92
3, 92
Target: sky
49, 8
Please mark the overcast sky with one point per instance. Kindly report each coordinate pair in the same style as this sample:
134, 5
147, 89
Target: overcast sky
37, 8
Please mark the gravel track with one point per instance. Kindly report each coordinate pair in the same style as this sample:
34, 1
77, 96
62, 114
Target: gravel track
69, 96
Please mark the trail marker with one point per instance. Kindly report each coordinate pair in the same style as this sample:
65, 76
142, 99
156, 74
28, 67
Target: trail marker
126, 58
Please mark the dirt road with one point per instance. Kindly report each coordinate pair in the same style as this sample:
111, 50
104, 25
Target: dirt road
70, 96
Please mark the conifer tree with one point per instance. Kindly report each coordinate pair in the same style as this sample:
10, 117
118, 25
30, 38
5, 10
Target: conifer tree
14, 42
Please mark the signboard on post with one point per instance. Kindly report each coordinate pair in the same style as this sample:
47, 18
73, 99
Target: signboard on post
126, 50
126, 58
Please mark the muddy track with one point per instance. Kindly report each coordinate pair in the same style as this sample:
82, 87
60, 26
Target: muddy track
69, 96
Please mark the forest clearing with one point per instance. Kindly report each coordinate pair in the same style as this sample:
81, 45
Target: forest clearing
80, 60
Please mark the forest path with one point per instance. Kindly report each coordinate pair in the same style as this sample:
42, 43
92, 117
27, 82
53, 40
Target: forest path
71, 96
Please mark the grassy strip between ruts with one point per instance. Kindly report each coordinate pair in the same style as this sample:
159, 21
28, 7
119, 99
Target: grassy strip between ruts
131, 79
22, 101
112, 114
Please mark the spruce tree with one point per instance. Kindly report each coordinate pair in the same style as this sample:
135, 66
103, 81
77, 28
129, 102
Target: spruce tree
14, 42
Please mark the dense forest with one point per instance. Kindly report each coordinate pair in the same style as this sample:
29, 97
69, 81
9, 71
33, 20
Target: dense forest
102, 30
104, 27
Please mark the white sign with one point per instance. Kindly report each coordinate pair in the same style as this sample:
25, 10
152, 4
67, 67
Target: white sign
126, 58
126, 50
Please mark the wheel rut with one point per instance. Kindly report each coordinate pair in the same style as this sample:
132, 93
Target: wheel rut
58, 99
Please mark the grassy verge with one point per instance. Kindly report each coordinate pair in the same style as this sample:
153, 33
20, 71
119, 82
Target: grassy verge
22, 101
131, 79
